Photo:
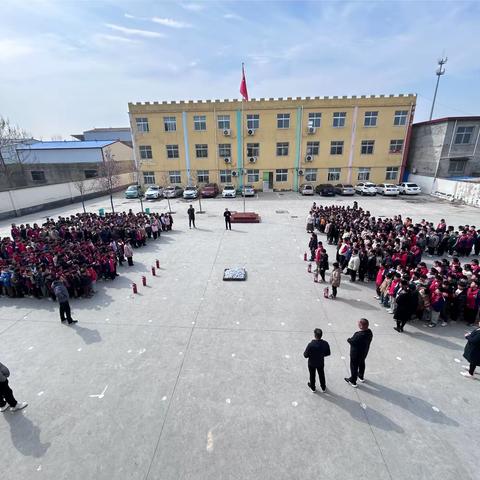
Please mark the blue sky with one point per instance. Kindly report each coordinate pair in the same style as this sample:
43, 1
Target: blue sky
70, 65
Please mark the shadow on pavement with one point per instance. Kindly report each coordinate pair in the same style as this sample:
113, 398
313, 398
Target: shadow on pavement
88, 335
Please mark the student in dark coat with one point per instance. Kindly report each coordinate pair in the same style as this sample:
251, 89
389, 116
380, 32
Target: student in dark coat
228, 222
191, 217
406, 305
316, 352
359, 347
472, 352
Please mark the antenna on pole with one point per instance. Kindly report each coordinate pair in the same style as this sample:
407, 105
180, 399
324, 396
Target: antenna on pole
439, 72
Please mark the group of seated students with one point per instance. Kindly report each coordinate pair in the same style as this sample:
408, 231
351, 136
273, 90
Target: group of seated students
80, 249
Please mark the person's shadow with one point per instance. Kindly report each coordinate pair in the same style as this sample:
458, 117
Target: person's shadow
411, 403
369, 415
88, 335
25, 435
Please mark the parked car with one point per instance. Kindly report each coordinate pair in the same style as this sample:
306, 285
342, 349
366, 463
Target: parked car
172, 191
388, 189
210, 190
306, 189
407, 188
154, 192
190, 192
229, 191
133, 191
366, 188
325, 190
344, 189
248, 191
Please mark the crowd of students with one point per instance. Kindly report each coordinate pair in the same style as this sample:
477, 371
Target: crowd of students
389, 252
78, 250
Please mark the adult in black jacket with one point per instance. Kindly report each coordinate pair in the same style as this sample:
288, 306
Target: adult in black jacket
359, 347
472, 351
228, 222
407, 302
316, 352
191, 217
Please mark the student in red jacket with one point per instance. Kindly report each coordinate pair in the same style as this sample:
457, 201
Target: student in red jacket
473, 302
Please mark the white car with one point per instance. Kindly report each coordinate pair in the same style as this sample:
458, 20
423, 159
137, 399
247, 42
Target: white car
388, 189
154, 192
407, 188
366, 188
229, 191
190, 192
248, 191
306, 190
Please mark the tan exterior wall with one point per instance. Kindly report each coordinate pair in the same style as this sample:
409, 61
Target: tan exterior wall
268, 135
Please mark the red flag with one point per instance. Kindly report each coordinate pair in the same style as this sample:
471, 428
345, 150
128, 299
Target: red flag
243, 85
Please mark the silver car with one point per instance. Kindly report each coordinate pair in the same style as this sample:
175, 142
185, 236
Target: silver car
306, 189
172, 191
190, 192
248, 191
154, 192
366, 188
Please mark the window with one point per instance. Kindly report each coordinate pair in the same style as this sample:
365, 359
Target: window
400, 117
225, 176
281, 175
314, 119
253, 121
253, 149
396, 146
223, 122
463, 135
145, 152
253, 176
283, 120
370, 119
90, 173
339, 119
457, 165
282, 149
363, 174
313, 148
149, 178
202, 176
38, 176
170, 124
201, 150
142, 124
172, 151
199, 122
391, 173
336, 148
334, 174
224, 150
175, 176
367, 147
311, 174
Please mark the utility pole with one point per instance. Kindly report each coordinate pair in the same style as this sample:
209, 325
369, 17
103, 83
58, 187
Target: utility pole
440, 71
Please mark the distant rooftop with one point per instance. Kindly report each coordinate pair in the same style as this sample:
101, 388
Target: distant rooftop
68, 145
109, 129
449, 119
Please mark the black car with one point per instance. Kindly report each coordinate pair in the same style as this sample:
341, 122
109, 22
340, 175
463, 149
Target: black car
325, 190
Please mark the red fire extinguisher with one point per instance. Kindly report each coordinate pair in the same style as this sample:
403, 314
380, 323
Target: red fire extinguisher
144, 280
157, 262
153, 271
134, 288
305, 256
309, 269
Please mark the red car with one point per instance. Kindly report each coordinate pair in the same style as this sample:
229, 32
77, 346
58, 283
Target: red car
210, 190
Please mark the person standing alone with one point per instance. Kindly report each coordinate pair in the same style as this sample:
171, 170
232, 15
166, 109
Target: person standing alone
61, 293
359, 346
316, 352
228, 222
191, 217
6, 395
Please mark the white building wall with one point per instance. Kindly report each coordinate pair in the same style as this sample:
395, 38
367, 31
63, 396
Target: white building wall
67, 155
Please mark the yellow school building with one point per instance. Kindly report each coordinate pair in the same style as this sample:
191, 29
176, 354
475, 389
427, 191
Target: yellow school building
273, 144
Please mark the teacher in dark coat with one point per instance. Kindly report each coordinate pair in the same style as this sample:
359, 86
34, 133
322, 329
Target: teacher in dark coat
359, 348
316, 352
472, 352
406, 305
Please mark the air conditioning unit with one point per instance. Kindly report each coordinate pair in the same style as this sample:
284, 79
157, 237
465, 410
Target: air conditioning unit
252, 159
309, 158
234, 173
311, 130
227, 160
227, 132
301, 172
251, 131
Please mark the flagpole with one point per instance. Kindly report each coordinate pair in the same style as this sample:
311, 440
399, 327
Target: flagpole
243, 158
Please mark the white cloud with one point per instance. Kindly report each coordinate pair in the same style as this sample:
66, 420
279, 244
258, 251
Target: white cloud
12, 49
103, 38
135, 31
169, 22
127, 15
232, 16
193, 7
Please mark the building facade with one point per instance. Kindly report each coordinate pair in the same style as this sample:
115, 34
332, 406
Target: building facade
445, 148
273, 144
122, 134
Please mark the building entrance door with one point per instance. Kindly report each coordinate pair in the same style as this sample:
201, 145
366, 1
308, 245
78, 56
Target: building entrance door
268, 181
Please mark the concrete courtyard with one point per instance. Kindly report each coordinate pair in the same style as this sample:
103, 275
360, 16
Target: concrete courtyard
196, 378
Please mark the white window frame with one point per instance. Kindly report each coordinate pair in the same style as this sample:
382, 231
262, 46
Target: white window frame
391, 173
339, 119
223, 122
370, 119
142, 124
175, 176
336, 144
282, 149
253, 149
145, 152
200, 123
311, 174
225, 176
281, 175
367, 147
170, 124
172, 151
314, 119
334, 174
253, 175
396, 146
224, 150
313, 148
283, 121
363, 174
149, 177
400, 118
253, 121
466, 133
201, 147
203, 176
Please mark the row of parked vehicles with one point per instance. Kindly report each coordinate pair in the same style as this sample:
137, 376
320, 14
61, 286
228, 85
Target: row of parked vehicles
362, 188
190, 192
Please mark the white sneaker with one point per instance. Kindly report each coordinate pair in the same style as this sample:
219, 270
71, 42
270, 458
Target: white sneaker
2, 409
18, 406
443, 324
361, 380
467, 375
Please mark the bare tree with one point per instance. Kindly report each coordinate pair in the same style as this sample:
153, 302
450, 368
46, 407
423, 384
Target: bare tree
83, 187
109, 175
165, 181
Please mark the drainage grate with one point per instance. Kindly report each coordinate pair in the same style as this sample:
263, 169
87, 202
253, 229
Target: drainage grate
281, 211
293, 216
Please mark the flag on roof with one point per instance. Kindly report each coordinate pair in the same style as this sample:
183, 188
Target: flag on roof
243, 85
